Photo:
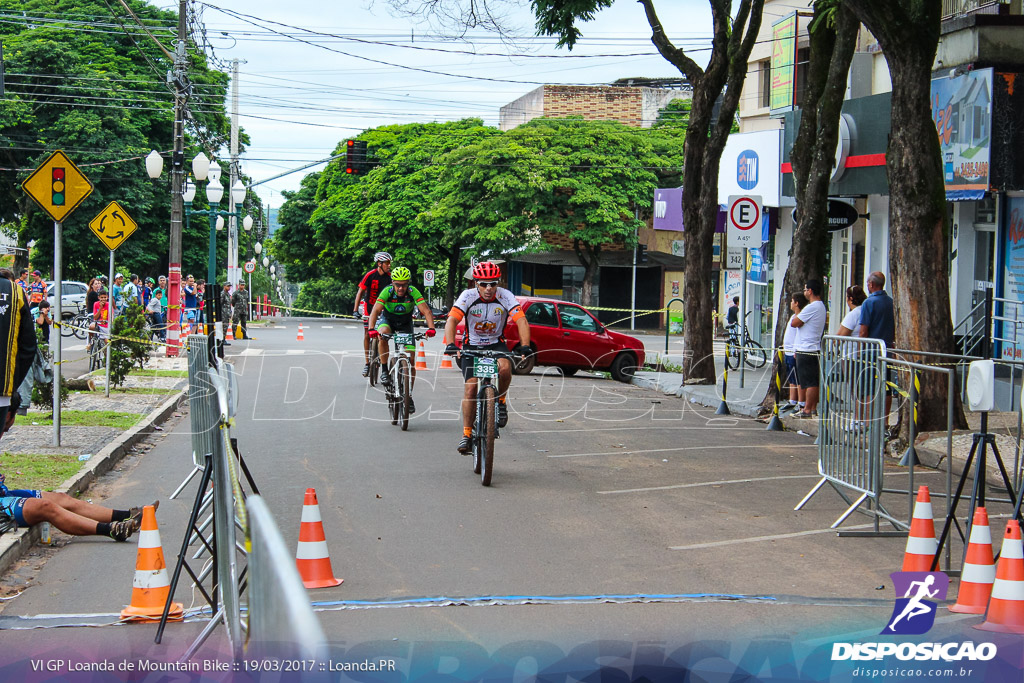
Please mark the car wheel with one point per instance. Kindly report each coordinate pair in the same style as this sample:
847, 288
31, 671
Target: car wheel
568, 372
623, 367
524, 366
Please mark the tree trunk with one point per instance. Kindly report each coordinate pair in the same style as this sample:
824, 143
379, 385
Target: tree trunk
831, 51
908, 32
453, 276
589, 256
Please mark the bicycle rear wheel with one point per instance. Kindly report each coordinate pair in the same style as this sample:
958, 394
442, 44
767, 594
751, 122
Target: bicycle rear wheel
403, 393
81, 325
67, 328
374, 363
488, 439
732, 355
755, 356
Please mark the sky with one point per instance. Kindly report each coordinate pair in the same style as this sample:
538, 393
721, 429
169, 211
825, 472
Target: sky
314, 72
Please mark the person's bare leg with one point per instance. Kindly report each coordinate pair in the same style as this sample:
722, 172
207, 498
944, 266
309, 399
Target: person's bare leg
78, 507
504, 376
812, 400
469, 403
38, 510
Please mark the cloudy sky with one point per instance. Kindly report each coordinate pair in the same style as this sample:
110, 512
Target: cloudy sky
315, 72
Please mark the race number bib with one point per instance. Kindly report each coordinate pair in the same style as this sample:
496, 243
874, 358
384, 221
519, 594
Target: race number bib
485, 368
404, 338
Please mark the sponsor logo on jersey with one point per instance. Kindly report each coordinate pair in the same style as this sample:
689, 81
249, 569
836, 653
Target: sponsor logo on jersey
485, 327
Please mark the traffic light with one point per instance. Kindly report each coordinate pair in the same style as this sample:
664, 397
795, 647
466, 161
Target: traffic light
355, 157
57, 186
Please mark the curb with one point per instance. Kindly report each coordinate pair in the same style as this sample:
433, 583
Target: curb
14, 545
697, 395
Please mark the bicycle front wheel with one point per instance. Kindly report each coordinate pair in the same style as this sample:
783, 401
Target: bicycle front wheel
80, 329
487, 468
403, 393
755, 356
67, 328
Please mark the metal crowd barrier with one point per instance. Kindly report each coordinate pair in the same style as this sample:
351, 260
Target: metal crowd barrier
281, 619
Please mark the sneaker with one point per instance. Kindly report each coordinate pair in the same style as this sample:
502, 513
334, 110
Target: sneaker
502, 414
801, 415
135, 514
385, 381
412, 406
123, 530
465, 446
366, 370
788, 407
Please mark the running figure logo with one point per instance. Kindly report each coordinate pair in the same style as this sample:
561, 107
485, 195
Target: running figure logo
914, 613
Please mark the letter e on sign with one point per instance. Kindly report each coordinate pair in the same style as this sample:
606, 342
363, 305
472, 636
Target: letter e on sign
743, 222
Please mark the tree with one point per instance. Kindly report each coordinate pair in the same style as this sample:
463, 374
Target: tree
908, 33
99, 96
733, 37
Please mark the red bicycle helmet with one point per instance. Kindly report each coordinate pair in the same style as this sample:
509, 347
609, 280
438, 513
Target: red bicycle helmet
485, 270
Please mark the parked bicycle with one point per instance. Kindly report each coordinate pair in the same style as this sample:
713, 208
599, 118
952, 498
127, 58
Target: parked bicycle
76, 326
96, 347
754, 354
399, 390
485, 426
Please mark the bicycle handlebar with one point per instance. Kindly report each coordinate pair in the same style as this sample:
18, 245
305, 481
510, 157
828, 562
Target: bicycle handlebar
415, 335
487, 353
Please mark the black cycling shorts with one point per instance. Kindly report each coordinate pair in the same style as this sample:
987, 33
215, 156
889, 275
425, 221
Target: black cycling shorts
467, 365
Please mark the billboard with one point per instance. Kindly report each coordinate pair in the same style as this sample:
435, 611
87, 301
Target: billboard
750, 164
962, 110
668, 209
783, 87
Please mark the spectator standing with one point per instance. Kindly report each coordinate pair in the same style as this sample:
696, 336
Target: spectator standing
36, 290
191, 301
93, 295
240, 302
134, 295
117, 292
810, 324
850, 327
147, 291
878, 321
18, 339
23, 280
225, 303
796, 304
155, 312
41, 371
732, 315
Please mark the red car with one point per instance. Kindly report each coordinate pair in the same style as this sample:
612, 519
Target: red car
569, 337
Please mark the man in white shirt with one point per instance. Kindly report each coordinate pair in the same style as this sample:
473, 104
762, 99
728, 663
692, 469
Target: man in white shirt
810, 324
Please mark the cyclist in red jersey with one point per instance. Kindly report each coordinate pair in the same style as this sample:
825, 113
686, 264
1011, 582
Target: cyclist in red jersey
371, 286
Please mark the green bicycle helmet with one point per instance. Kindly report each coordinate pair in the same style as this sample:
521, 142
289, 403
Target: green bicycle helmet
401, 274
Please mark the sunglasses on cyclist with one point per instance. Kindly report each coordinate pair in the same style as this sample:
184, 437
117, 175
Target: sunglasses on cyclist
489, 283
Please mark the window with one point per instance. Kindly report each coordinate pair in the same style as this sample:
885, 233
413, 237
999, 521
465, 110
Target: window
540, 313
766, 83
575, 318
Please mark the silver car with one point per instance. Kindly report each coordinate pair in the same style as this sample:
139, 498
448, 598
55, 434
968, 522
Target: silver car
72, 297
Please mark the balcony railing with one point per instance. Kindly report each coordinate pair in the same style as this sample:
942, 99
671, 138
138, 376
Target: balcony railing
959, 8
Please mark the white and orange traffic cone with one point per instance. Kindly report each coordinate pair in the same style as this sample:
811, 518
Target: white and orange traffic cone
421, 357
1006, 608
921, 542
446, 361
979, 571
311, 556
229, 334
150, 589
299, 337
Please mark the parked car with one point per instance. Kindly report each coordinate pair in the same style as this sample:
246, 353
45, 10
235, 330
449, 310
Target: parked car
568, 336
72, 297
440, 316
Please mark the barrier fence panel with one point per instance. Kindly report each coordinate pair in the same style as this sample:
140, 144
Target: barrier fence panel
282, 623
851, 422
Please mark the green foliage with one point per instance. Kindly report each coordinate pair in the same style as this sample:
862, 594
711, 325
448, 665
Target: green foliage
125, 352
559, 17
42, 394
102, 98
327, 295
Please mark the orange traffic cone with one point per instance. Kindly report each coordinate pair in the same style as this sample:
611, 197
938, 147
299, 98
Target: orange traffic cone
446, 361
921, 543
150, 589
311, 556
300, 337
1006, 608
421, 357
979, 570
229, 335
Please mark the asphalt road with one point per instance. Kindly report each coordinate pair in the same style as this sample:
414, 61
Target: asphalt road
600, 489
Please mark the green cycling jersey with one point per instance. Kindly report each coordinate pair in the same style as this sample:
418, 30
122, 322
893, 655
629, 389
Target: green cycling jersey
398, 307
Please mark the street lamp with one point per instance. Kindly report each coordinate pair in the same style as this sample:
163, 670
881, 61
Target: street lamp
266, 262
257, 247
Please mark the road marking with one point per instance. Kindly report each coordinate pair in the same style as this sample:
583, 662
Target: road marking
714, 483
682, 448
294, 352
249, 352
619, 429
76, 347
327, 327
774, 537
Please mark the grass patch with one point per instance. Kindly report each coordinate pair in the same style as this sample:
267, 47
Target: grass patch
83, 418
159, 373
37, 470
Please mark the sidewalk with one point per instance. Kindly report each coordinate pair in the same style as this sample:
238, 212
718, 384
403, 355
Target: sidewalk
742, 400
102, 447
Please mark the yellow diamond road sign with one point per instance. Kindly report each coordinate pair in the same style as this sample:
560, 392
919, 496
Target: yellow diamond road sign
58, 186
113, 226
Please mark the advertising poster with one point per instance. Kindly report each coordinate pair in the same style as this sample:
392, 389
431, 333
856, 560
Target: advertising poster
783, 64
1013, 279
962, 110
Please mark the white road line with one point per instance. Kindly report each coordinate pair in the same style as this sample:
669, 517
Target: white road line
76, 347
294, 352
249, 352
327, 327
619, 429
714, 483
681, 448
774, 537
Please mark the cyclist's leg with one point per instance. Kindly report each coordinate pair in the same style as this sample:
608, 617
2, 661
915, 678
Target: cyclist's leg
383, 348
366, 340
469, 404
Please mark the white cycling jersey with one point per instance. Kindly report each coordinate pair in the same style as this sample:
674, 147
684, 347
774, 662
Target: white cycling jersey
485, 321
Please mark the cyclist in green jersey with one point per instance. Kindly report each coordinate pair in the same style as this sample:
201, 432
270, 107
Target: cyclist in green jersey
393, 313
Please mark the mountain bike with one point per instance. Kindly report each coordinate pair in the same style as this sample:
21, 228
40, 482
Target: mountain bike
399, 371
754, 356
77, 325
96, 347
374, 363
485, 426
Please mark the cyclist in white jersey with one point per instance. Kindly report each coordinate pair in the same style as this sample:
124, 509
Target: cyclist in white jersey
485, 308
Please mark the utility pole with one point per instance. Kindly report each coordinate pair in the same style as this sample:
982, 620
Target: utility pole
233, 275
179, 77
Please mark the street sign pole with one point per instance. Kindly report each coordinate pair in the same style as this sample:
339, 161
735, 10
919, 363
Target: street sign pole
745, 215
58, 233
743, 318
110, 320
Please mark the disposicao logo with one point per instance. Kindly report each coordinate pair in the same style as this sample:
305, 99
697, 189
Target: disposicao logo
746, 169
914, 614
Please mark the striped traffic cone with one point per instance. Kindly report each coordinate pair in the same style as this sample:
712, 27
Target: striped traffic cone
446, 361
150, 589
1006, 608
311, 556
421, 357
229, 335
300, 337
979, 571
921, 542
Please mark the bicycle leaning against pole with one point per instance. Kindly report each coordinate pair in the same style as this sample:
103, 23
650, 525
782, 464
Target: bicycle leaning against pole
485, 424
754, 354
399, 370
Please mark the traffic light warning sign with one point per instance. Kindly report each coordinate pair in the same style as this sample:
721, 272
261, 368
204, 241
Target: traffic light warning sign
57, 186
